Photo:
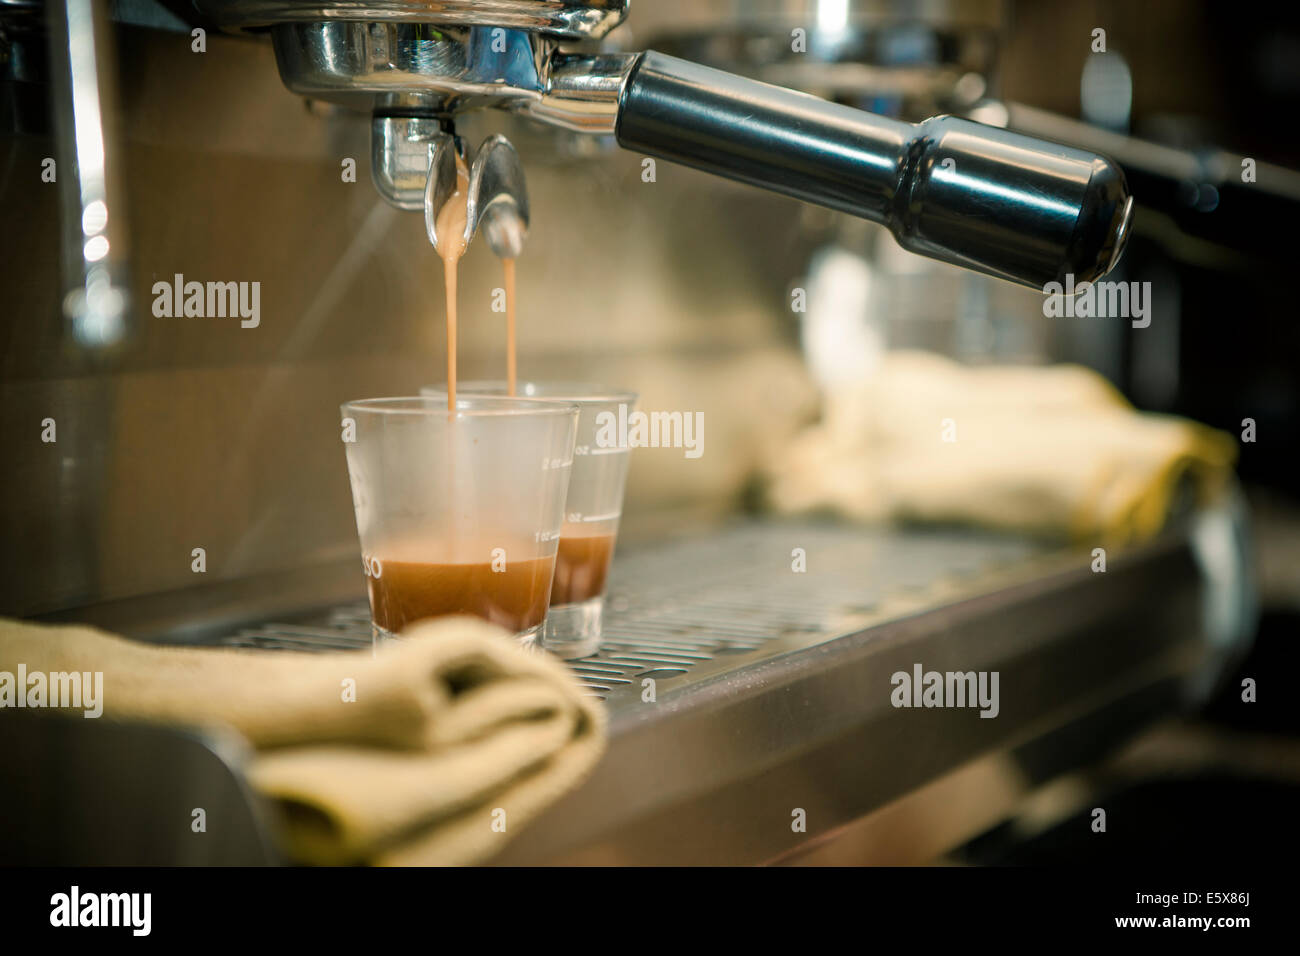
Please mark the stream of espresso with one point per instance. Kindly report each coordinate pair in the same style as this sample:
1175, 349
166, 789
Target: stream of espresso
410, 590
509, 266
450, 226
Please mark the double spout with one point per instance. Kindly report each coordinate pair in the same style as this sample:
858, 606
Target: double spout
413, 164
498, 198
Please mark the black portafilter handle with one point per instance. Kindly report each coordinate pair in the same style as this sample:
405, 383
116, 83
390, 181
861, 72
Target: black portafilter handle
977, 196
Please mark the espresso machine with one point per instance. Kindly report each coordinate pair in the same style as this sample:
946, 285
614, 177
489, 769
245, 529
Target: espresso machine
1008, 205
189, 155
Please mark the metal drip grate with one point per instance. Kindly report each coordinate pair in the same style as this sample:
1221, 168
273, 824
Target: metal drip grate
699, 607
708, 605
346, 628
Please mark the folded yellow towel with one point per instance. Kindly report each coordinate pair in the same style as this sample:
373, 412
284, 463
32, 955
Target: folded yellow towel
433, 750
1053, 450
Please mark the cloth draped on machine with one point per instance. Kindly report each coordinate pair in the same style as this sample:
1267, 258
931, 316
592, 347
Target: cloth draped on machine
1052, 450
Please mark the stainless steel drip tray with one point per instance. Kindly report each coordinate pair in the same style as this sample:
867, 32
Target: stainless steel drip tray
748, 679
706, 606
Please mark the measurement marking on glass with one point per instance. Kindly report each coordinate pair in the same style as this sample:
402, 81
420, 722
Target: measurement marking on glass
585, 519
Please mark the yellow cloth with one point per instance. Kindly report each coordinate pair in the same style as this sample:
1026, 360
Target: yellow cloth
453, 732
1052, 450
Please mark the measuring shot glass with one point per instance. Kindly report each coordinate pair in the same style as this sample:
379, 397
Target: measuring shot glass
595, 504
459, 512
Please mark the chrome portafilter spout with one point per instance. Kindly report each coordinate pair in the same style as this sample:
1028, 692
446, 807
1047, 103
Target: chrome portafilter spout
497, 200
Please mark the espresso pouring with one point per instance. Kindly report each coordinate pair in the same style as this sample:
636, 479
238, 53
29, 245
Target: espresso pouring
451, 222
452, 245
515, 595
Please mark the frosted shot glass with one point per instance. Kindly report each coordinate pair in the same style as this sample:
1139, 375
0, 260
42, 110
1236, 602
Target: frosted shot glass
594, 506
459, 512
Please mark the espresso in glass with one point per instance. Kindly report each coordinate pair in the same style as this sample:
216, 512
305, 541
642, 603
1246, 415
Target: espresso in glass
581, 565
514, 594
459, 511
592, 509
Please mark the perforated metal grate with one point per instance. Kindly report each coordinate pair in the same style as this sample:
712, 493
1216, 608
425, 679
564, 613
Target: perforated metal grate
699, 607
